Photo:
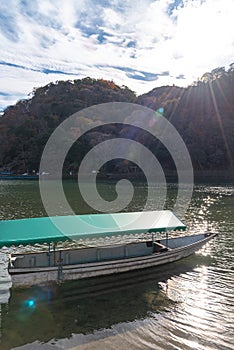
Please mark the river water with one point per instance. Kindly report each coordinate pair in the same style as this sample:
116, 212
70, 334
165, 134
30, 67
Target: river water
181, 306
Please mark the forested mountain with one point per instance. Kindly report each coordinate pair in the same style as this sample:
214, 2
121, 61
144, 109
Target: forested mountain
26, 126
204, 116
203, 113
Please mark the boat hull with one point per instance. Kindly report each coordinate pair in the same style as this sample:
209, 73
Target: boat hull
44, 275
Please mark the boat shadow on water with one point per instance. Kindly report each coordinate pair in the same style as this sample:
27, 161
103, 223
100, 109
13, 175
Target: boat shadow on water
57, 311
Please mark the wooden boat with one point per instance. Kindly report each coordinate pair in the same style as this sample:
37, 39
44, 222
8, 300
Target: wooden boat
57, 265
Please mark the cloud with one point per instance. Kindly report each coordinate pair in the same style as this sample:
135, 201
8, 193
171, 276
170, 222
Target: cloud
132, 42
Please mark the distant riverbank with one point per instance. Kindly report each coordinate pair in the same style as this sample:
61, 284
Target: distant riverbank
201, 176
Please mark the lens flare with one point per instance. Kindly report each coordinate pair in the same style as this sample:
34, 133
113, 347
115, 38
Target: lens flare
31, 303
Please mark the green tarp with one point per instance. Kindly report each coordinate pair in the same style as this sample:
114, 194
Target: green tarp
62, 228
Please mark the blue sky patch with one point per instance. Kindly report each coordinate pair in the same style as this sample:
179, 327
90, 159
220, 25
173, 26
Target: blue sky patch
8, 27
132, 43
31, 9
174, 5
54, 71
181, 76
42, 70
137, 74
5, 94
2, 63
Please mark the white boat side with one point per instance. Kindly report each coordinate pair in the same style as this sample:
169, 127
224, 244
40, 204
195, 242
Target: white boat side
74, 264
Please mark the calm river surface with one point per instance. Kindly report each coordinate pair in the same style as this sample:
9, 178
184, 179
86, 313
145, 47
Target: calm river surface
182, 306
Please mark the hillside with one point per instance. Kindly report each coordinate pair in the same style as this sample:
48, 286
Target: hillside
202, 113
204, 116
26, 127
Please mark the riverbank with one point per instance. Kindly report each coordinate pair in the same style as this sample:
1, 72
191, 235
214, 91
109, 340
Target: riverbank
201, 176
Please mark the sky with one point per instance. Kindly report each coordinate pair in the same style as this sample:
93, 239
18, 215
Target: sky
142, 44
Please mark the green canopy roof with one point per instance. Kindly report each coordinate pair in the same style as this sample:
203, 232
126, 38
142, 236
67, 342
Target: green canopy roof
62, 228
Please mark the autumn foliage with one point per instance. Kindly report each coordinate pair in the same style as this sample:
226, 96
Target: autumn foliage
203, 114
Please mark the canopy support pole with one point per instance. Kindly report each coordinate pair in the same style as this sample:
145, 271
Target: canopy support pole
54, 246
167, 238
153, 240
60, 267
49, 255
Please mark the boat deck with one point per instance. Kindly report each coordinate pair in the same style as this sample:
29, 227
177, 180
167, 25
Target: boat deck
83, 255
